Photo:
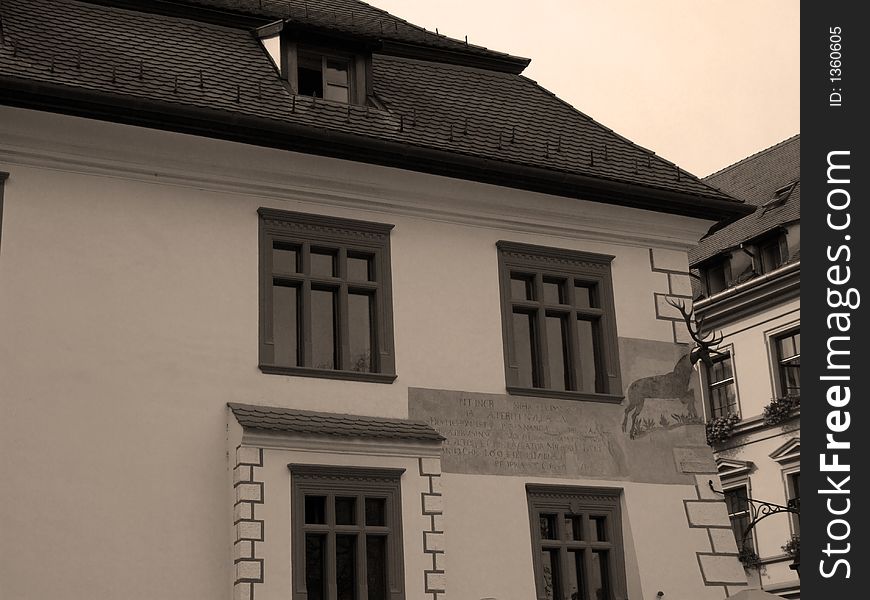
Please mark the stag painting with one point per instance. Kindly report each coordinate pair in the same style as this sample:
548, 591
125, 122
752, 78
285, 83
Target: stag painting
674, 385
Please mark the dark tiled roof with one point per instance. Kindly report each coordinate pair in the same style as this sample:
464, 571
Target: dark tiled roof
269, 418
151, 60
756, 179
351, 17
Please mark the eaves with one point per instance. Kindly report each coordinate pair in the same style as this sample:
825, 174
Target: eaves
271, 133
751, 297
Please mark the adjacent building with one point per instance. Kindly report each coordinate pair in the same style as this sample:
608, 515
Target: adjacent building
749, 293
300, 300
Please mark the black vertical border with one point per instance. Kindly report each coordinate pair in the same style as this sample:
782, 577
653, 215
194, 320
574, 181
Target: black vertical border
826, 128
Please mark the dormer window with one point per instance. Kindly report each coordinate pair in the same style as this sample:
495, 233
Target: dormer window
317, 66
324, 76
717, 276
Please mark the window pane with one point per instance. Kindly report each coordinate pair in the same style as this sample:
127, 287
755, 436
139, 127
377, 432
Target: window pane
548, 527
522, 287
359, 268
345, 567
586, 334
557, 352
583, 296
376, 511
315, 556
360, 328
722, 370
524, 349
576, 578
791, 378
345, 510
315, 510
337, 93
723, 400
284, 258
797, 342
310, 82
574, 527
323, 329
285, 332
336, 72
786, 347
550, 571
599, 529
554, 291
599, 578
716, 279
376, 567
323, 263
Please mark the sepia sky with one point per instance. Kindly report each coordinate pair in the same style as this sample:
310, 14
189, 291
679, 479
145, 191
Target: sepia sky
703, 83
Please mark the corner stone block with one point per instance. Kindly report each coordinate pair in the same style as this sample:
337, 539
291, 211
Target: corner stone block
243, 510
433, 504
680, 284
249, 530
723, 541
250, 570
435, 484
707, 513
722, 570
666, 311
681, 333
433, 542
248, 455
702, 482
243, 591
435, 582
440, 561
243, 549
249, 492
430, 466
696, 459
670, 260
243, 473
437, 522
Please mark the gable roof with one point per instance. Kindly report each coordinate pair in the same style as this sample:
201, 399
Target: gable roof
756, 179
195, 76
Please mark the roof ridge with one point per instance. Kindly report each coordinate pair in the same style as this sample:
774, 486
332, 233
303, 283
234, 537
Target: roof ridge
751, 157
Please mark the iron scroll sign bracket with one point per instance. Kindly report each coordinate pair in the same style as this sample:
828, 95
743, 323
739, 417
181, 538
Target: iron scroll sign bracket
760, 510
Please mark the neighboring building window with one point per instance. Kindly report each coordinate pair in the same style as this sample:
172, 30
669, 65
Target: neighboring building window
559, 322
347, 533
576, 543
771, 253
721, 387
793, 491
739, 514
326, 305
717, 276
788, 356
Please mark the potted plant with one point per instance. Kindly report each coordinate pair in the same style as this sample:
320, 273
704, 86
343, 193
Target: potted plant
780, 409
721, 428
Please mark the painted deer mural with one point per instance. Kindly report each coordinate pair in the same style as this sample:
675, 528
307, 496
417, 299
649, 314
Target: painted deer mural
673, 385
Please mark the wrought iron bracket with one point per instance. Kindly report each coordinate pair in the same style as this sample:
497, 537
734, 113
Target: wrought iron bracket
760, 509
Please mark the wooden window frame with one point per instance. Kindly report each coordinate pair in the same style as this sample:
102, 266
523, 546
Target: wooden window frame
780, 363
732, 486
585, 501
777, 240
584, 267
359, 482
342, 235
709, 384
3, 177
725, 263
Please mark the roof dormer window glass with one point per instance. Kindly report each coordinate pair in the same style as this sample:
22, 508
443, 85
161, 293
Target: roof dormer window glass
323, 76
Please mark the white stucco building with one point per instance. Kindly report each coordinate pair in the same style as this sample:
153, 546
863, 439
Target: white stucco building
750, 274
299, 300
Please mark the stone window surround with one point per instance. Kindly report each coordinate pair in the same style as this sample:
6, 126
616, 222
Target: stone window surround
705, 383
327, 479
579, 499
339, 233
570, 264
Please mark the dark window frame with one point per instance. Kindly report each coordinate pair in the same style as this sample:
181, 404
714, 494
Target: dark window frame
782, 364
742, 515
793, 493
585, 502
357, 482
776, 241
3, 177
712, 384
344, 236
723, 262
594, 270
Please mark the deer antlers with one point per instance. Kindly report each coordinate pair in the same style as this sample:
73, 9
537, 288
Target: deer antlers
705, 342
